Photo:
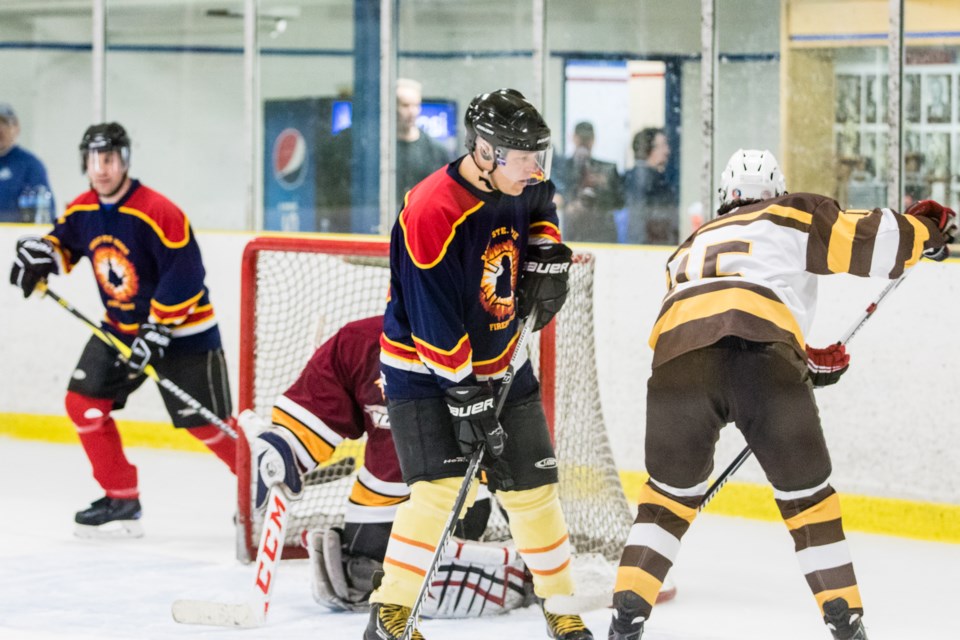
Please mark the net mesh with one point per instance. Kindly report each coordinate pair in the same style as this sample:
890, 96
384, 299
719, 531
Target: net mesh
303, 297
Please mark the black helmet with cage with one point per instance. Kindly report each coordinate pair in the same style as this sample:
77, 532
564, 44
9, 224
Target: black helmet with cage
507, 121
101, 138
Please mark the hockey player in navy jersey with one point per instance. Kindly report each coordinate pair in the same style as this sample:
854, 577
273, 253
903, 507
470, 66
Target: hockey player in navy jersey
338, 398
475, 247
729, 347
150, 275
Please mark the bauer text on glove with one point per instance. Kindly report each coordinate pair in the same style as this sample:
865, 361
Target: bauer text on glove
544, 281
475, 424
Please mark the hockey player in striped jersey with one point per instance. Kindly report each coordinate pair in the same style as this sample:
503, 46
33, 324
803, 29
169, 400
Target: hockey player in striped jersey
338, 397
463, 237
729, 347
150, 274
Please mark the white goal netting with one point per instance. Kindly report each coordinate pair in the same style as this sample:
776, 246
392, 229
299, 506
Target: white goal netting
299, 292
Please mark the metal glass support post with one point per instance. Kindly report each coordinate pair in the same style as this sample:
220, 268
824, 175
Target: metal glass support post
99, 60
708, 73
251, 116
896, 55
389, 43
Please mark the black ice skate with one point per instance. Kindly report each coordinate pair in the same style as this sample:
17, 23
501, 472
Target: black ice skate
843, 623
566, 627
627, 622
387, 622
110, 518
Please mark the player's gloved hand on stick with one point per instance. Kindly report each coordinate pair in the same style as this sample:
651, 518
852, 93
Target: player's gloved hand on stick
150, 345
827, 365
946, 220
276, 463
475, 423
34, 261
544, 281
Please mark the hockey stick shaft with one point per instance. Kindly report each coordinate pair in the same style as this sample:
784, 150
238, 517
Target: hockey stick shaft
472, 467
149, 370
852, 331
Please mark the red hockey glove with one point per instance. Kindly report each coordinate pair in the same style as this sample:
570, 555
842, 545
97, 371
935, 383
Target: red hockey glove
946, 220
827, 365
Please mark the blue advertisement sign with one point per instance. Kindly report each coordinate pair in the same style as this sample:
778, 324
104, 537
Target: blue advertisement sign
291, 129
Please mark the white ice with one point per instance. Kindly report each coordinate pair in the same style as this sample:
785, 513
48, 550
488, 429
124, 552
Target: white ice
736, 579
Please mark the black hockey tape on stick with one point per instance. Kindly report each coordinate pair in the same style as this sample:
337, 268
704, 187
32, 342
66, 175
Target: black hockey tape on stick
852, 331
124, 352
472, 468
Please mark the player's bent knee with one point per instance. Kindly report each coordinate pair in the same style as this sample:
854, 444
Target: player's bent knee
85, 412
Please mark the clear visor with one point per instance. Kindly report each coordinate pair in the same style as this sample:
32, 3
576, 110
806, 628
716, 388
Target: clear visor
99, 159
525, 167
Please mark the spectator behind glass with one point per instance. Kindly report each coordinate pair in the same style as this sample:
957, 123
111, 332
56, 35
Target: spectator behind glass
418, 155
590, 191
24, 188
651, 198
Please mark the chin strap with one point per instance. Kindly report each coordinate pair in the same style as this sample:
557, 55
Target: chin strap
486, 177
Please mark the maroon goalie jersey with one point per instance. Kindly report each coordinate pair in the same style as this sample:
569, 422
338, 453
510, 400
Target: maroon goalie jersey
338, 397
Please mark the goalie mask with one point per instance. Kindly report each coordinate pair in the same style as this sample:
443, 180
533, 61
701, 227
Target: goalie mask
751, 174
503, 127
100, 139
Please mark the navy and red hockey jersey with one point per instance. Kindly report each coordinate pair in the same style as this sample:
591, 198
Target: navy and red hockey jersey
147, 264
455, 255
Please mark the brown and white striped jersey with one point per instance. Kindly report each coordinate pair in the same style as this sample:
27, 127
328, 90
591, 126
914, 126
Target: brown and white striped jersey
752, 272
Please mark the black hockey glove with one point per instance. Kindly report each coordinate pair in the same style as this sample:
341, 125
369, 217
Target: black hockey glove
475, 423
35, 260
543, 282
946, 220
149, 346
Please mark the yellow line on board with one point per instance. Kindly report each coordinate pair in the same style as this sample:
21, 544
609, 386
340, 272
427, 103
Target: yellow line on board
891, 516
904, 518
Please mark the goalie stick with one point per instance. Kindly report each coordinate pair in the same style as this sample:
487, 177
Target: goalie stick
124, 352
253, 612
579, 603
472, 468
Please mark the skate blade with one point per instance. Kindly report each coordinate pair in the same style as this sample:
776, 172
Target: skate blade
108, 530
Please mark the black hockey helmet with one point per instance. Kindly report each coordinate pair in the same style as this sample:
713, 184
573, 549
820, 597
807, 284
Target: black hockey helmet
100, 138
506, 120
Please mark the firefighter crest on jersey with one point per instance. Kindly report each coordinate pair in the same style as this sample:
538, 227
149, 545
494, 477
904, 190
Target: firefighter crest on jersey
499, 281
115, 272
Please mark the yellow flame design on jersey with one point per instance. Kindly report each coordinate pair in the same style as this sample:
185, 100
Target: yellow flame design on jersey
496, 290
115, 273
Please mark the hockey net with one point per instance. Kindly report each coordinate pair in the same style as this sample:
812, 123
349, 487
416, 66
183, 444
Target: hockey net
297, 292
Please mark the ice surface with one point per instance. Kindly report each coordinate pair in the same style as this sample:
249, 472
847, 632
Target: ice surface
737, 579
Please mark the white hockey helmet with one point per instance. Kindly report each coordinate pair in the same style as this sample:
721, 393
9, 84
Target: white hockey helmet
751, 174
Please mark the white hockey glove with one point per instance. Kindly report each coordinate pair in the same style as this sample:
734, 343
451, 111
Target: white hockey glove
276, 464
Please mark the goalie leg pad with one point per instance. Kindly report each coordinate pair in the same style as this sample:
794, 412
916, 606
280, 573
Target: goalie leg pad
337, 584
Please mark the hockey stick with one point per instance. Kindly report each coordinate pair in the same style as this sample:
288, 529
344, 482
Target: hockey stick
472, 468
852, 331
125, 351
252, 613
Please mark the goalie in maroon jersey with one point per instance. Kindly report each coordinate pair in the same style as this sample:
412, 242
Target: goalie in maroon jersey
338, 396
150, 275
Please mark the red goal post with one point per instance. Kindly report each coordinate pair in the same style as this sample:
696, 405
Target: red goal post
298, 291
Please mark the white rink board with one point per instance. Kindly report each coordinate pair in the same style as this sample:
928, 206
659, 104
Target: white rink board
890, 423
